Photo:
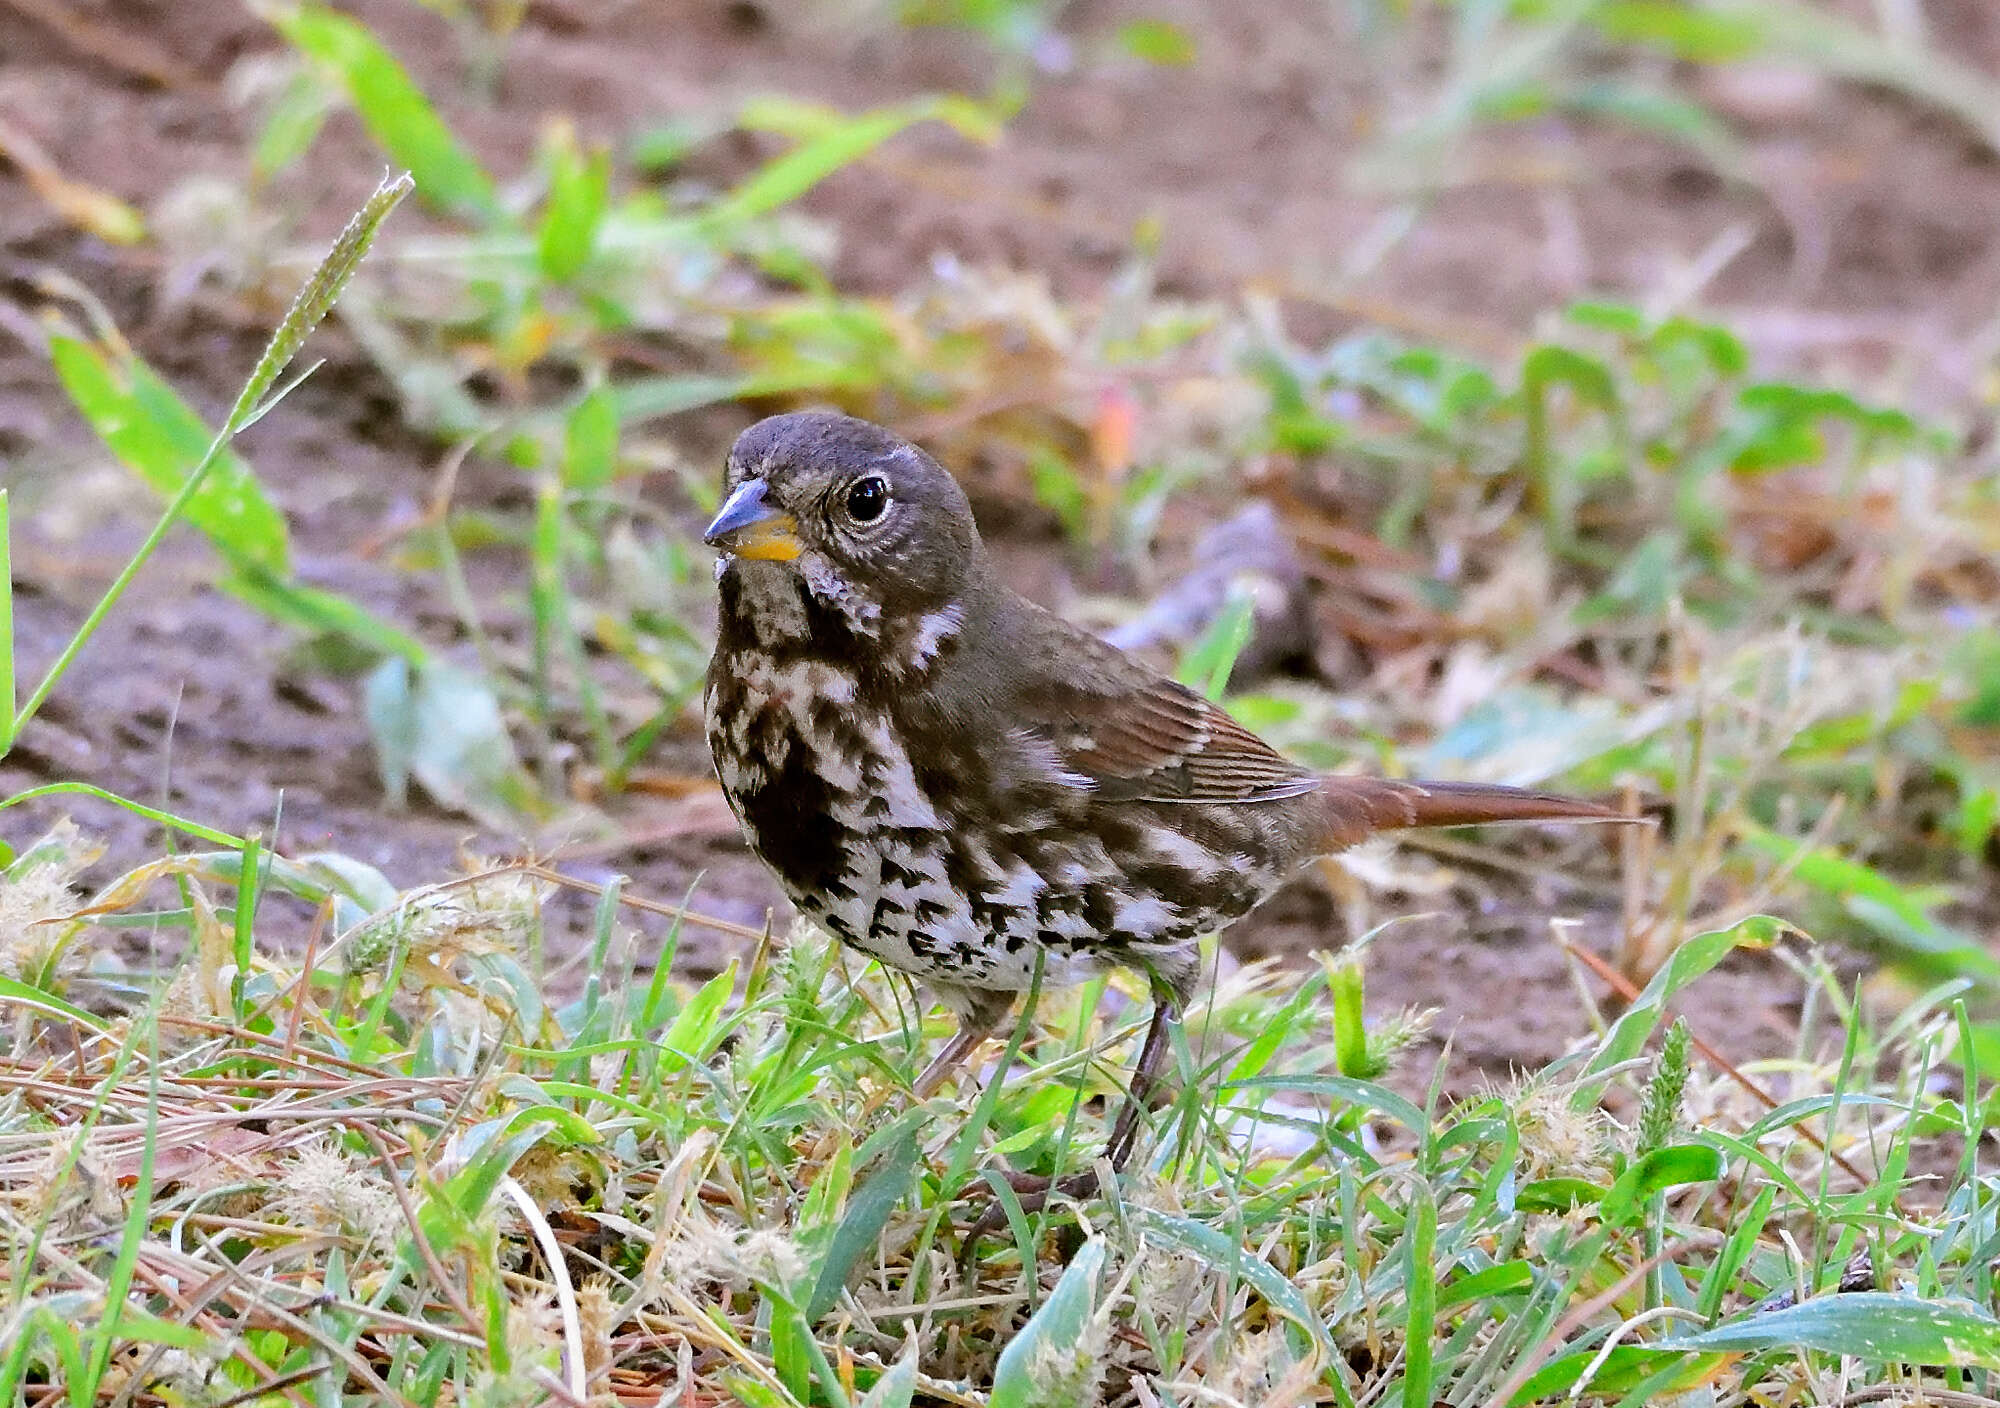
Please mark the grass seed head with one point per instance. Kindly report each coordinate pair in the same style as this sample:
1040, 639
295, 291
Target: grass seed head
770, 1258
1071, 1375
188, 1376
36, 895
1558, 1140
533, 1345
444, 923
329, 1190
596, 1314
1660, 1113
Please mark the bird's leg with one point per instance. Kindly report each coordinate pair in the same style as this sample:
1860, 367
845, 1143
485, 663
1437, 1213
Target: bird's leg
967, 1039
1145, 1075
1034, 1189
979, 1015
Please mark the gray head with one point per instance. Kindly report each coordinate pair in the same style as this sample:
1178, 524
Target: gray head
853, 507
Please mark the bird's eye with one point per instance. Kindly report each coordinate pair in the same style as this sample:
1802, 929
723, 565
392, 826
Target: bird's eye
868, 499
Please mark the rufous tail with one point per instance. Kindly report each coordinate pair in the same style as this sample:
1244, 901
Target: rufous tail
1355, 808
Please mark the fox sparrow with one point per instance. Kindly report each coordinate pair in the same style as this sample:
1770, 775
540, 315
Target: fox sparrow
963, 785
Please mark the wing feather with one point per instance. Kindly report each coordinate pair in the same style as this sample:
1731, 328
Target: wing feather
1137, 735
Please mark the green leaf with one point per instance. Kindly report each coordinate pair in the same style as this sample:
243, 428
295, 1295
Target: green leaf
1042, 1366
694, 1026
1735, 1254
1210, 660
27, 995
1619, 318
1420, 1292
389, 703
393, 109
323, 613
1694, 33
590, 441
1229, 1256
144, 1328
1662, 114
1506, 1279
1722, 349
1157, 42
442, 726
292, 124
1671, 1167
1628, 1034
831, 140
1554, 475
1363, 1095
1894, 912
491, 1150
1626, 1366
579, 191
1557, 1195
159, 436
1879, 1326
817, 1214
860, 1227
663, 146
1550, 364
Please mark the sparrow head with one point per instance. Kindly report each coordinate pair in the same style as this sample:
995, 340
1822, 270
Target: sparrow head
857, 510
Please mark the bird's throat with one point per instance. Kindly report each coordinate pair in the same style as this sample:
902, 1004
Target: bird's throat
801, 605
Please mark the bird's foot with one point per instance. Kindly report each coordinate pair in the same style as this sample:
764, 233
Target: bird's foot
1032, 1191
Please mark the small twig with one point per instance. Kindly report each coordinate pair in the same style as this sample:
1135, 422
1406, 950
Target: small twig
1492, 859
196, 1312
539, 871
1942, 1397
302, 988
115, 47
356, 1365
423, 1244
1617, 1336
286, 1381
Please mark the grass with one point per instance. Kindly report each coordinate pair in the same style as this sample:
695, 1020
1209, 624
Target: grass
363, 1145
395, 1169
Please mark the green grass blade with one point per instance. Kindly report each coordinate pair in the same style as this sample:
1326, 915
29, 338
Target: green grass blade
835, 140
104, 1336
393, 109
1696, 956
161, 439
245, 944
311, 306
167, 819
1879, 1326
1420, 1326
1052, 1358
861, 1226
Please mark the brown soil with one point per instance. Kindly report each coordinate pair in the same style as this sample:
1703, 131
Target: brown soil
1870, 247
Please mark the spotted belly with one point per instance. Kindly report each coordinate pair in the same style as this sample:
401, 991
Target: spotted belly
828, 798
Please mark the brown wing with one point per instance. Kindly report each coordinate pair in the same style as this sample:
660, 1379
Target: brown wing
1136, 735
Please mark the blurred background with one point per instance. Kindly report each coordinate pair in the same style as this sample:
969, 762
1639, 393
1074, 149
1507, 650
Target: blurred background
1590, 392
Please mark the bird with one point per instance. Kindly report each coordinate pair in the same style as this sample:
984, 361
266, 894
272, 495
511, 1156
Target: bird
967, 787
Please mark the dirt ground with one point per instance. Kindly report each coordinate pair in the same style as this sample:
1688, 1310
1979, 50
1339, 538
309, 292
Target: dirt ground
1867, 247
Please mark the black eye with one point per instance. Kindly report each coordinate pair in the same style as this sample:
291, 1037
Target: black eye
867, 500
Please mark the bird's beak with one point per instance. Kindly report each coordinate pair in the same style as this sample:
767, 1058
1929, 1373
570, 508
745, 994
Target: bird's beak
748, 527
